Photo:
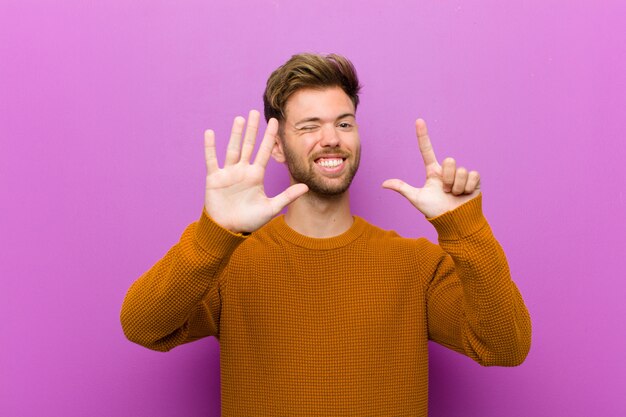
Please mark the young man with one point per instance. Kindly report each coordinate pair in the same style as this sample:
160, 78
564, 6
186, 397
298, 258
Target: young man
319, 313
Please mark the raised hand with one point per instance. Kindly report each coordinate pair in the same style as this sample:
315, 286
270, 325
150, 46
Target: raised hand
235, 197
446, 186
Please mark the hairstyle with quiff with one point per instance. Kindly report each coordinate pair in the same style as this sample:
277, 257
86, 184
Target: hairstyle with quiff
308, 71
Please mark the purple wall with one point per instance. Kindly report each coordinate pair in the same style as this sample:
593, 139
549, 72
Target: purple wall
102, 109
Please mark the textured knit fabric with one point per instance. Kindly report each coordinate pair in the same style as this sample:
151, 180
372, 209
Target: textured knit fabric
337, 326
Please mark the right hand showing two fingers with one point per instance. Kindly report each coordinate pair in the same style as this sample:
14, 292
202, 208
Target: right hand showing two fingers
235, 197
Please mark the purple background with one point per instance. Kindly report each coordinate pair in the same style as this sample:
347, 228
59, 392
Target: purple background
102, 109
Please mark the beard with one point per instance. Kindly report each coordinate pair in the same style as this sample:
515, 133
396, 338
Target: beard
304, 172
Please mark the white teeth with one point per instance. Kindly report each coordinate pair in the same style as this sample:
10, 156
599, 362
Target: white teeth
330, 163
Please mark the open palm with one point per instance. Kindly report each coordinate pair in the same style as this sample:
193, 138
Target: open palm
235, 196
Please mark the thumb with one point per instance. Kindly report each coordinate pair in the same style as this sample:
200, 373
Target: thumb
288, 196
401, 187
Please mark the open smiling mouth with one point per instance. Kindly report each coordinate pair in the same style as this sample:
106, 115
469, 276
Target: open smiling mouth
329, 162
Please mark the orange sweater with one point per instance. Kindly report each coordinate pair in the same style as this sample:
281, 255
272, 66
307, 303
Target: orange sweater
338, 326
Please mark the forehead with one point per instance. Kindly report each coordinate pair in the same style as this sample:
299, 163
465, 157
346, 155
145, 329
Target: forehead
327, 103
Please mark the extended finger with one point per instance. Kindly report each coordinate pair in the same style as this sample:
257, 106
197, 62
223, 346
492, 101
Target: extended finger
448, 171
460, 180
267, 144
250, 137
423, 140
288, 196
232, 152
401, 187
209, 152
473, 182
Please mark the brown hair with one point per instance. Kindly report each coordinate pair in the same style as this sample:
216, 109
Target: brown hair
308, 71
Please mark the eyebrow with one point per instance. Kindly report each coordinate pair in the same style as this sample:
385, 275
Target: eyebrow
317, 119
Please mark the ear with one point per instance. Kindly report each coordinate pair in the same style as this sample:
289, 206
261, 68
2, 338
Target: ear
277, 152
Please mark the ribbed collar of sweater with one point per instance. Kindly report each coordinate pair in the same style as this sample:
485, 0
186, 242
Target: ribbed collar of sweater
280, 227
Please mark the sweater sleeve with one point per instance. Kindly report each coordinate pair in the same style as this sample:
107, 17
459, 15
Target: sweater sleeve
178, 300
473, 305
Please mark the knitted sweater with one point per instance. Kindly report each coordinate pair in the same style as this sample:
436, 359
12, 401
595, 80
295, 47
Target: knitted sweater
337, 326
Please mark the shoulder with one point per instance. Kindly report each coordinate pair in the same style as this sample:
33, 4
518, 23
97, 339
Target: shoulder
263, 240
400, 256
391, 241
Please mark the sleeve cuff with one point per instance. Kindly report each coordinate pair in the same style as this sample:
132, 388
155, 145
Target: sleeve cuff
461, 222
214, 239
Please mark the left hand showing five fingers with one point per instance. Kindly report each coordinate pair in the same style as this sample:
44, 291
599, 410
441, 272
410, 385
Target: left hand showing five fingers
446, 187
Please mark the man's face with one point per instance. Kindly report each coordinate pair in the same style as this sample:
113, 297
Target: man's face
320, 140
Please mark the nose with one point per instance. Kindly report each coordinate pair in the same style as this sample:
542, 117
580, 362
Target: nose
329, 136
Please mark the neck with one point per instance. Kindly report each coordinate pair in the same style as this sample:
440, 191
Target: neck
318, 216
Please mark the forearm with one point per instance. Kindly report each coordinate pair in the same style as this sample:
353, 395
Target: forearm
158, 306
494, 322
